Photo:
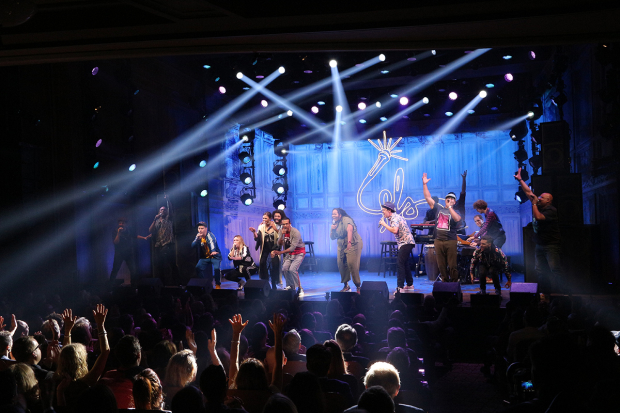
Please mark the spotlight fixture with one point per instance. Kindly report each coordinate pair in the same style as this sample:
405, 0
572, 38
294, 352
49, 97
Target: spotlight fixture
281, 69
246, 178
206, 66
448, 114
453, 95
95, 70
530, 114
338, 108
280, 148
404, 101
249, 136
222, 90
520, 196
247, 199
382, 118
434, 52
535, 162
239, 75
489, 85
333, 63
378, 104
482, 94
382, 57
202, 163
518, 132
508, 77
264, 103
279, 187
99, 142
521, 154
507, 57
315, 110
279, 204
525, 175
385, 72
532, 55
320, 103
279, 169
361, 106
425, 100
245, 156
471, 111
132, 167
393, 95
96, 165
362, 121
290, 113
203, 193
536, 109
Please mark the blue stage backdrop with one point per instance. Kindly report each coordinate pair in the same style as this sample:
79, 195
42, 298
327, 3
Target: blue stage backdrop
322, 177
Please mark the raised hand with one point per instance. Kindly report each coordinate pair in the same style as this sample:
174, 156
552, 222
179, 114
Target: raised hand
2, 325
237, 324
99, 315
69, 320
518, 175
425, 180
191, 342
212, 341
278, 324
253, 230
464, 174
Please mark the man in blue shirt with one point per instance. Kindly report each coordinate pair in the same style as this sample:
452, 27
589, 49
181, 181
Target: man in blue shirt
209, 252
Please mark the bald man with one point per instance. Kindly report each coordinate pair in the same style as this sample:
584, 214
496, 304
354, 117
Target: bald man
547, 238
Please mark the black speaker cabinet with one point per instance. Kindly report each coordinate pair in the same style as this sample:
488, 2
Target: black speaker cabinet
555, 149
522, 294
372, 288
150, 286
257, 289
444, 291
198, 286
344, 298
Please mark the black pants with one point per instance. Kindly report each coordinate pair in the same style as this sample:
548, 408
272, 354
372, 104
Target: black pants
404, 271
500, 240
235, 275
267, 273
485, 271
119, 257
166, 264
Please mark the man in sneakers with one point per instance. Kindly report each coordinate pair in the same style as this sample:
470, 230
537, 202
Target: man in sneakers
294, 252
397, 225
206, 245
490, 261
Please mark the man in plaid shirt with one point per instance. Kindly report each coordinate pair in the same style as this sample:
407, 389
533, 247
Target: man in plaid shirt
490, 261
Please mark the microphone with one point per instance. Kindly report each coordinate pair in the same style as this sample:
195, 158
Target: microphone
379, 226
333, 222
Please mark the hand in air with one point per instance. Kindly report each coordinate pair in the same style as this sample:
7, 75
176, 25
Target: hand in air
464, 174
425, 180
518, 175
237, 324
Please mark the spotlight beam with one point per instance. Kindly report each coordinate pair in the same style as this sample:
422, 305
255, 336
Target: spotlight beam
394, 118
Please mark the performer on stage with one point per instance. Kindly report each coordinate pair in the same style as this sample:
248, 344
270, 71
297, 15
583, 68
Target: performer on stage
547, 238
491, 227
489, 261
266, 238
431, 216
445, 233
209, 252
123, 239
278, 216
294, 252
459, 207
242, 260
350, 247
164, 248
404, 238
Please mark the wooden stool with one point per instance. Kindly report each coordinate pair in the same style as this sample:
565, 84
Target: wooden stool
389, 254
310, 262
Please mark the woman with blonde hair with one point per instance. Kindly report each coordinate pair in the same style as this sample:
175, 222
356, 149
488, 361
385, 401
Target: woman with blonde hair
28, 394
147, 391
180, 372
242, 260
266, 237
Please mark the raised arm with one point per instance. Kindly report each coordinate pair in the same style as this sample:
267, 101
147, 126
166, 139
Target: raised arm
69, 321
93, 375
237, 326
276, 326
526, 189
215, 359
464, 184
427, 194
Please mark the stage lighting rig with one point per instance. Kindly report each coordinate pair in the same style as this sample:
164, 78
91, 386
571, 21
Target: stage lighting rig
248, 136
536, 163
279, 204
518, 132
280, 168
246, 177
280, 148
521, 154
520, 196
280, 186
247, 197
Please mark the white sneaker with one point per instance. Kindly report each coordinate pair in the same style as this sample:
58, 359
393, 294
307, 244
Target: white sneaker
300, 292
241, 284
288, 287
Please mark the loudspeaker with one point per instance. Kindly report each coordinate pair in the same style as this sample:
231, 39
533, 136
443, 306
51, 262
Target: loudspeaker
522, 294
150, 286
256, 289
444, 291
198, 286
281, 295
344, 298
411, 299
486, 300
555, 149
567, 195
372, 288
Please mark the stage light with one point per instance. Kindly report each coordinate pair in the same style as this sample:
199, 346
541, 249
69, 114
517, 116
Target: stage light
260, 77
520, 196
279, 187
448, 114
246, 178
520, 154
362, 121
536, 109
132, 167
507, 57
280, 147
403, 101
333, 63
530, 114
508, 77
246, 88
525, 175
99, 142
434, 52
320, 103
471, 111
535, 162
206, 66
222, 90
482, 94
136, 92
425, 100
202, 163
290, 113
378, 104
382, 118
518, 132
532, 55
203, 193
453, 96
279, 204
249, 136
361, 106
245, 157
95, 70
264, 103
247, 199
96, 165
217, 79
382, 57
279, 169
338, 108
315, 110
489, 85
281, 69
385, 72
393, 95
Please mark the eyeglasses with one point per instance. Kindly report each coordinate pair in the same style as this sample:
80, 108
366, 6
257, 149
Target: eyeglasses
36, 348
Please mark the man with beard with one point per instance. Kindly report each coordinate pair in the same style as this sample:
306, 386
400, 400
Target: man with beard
164, 251
294, 252
209, 253
489, 260
278, 216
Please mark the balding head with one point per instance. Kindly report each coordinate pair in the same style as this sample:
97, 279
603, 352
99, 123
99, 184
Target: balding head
545, 199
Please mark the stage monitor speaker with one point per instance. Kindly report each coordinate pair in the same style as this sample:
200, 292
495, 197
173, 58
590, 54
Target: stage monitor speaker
224, 293
522, 294
485, 300
282, 295
375, 288
444, 291
150, 286
256, 289
344, 298
198, 286
555, 149
411, 299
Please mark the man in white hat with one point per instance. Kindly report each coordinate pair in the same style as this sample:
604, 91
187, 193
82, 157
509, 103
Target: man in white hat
397, 225
445, 233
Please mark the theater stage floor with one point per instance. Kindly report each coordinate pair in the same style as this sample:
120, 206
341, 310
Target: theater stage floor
315, 285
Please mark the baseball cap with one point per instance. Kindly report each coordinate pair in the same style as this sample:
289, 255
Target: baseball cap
390, 206
451, 194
